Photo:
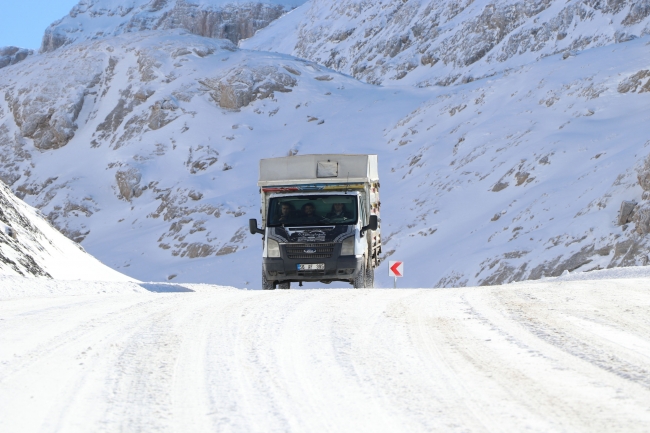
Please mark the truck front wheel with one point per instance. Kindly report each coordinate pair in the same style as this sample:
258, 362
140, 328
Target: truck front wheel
360, 279
370, 275
266, 284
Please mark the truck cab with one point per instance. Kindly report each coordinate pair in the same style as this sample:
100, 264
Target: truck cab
320, 220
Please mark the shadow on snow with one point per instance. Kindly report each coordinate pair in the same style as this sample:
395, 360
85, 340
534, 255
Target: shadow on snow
164, 288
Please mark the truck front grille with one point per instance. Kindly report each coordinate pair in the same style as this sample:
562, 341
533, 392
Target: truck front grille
322, 251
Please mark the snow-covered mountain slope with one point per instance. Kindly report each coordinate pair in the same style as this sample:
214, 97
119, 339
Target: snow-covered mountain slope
535, 164
145, 148
12, 55
227, 19
31, 247
440, 42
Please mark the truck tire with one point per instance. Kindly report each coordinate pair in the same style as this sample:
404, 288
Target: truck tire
360, 279
266, 285
285, 286
370, 275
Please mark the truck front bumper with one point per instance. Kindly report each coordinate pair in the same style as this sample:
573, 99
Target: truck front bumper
341, 268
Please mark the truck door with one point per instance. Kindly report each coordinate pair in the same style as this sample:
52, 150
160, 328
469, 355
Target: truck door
362, 214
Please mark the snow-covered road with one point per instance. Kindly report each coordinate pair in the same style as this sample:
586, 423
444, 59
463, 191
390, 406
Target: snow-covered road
551, 356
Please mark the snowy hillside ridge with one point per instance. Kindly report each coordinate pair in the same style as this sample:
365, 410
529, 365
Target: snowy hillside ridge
12, 55
30, 247
221, 19
441, 42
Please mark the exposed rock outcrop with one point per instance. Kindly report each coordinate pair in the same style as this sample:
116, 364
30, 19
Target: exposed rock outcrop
162, 113
643, 174
626, 212
128, 183
46, 111
641, 218
637, 82
241, 86
640, 214
12, 55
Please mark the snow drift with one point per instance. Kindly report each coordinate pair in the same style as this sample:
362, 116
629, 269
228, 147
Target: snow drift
31, 247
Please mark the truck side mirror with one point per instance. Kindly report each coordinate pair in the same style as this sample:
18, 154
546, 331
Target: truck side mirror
372, 225
252, 226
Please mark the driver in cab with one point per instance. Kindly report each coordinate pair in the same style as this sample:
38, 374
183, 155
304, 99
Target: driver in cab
338, 212
287, 213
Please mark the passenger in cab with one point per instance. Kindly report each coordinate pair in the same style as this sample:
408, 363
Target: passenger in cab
339, 212
309, 214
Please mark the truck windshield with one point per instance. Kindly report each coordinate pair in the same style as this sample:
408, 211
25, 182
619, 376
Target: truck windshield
313, 210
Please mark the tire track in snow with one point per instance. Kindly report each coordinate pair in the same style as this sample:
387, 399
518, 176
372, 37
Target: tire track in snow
243, 385
77, 346
69, 336
501, 368
567, 379
597, 332
153, 385
574, 332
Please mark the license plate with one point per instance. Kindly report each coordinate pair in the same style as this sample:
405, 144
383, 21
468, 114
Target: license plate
312, 267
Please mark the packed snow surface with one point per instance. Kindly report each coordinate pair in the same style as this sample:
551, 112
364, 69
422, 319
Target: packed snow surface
534, 356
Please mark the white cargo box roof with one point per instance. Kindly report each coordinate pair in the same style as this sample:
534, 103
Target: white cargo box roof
327, 168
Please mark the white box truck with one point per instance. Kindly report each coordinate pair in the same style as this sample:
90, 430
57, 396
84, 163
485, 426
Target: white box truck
320, 220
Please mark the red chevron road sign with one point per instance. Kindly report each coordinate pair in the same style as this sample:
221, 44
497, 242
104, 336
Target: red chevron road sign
395, 269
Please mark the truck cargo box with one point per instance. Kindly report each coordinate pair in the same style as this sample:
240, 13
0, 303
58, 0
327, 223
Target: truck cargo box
318, 169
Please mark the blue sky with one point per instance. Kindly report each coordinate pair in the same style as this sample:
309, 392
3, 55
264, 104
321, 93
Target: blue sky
22, 22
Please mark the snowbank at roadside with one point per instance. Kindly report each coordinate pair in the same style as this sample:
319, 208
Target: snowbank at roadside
15, 287
604, 274
12, 287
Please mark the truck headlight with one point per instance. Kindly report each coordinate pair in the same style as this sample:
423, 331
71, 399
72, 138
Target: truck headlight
347, 248
272, 248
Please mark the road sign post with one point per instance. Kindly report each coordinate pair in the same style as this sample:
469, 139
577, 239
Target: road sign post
395, 269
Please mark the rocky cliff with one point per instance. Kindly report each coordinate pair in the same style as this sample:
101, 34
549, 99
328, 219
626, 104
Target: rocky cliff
221, 19
441, 42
